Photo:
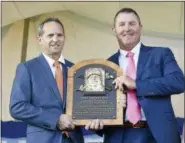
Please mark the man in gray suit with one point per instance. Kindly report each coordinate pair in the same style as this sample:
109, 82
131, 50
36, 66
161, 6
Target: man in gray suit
39, 90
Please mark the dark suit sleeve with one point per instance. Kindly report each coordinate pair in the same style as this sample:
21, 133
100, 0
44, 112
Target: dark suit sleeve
20, 103
172, 81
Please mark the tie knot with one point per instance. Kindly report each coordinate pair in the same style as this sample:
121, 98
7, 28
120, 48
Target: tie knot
130, 54
56, 64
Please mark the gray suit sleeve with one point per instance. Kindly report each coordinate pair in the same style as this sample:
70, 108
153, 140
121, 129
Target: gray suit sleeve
20, 103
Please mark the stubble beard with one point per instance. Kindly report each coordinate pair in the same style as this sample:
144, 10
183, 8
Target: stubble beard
126, 47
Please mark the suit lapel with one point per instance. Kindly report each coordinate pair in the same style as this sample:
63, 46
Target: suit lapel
143, 56
115, 58
64, 68
49, 76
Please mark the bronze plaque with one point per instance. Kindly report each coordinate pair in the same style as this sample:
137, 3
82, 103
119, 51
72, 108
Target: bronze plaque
90, 93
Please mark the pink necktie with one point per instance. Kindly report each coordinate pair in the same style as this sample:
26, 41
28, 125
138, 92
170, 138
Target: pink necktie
133, 107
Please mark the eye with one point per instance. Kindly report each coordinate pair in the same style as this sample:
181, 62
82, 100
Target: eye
50, 35
122, 24
132, 23
60, 35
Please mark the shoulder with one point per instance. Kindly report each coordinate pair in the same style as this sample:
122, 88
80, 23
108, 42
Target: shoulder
28, 63
158, 50
23, 68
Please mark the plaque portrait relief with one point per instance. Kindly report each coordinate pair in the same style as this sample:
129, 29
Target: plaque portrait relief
90, 93
94, 80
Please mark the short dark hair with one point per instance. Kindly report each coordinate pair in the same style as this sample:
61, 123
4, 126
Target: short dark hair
127, 10
51, 19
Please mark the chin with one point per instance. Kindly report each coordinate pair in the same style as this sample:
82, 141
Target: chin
56, 52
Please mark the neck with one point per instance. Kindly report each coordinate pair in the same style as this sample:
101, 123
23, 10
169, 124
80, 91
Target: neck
126, 47
55, 56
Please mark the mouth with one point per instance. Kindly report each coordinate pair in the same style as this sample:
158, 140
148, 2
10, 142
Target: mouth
128, 35
55, 45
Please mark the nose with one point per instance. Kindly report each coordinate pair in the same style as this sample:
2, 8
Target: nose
127, 27
55, 38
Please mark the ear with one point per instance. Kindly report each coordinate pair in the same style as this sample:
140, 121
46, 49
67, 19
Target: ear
113, 30
141, 27
38, 38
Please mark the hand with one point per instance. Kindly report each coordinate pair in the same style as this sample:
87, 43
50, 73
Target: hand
65, 122
95, 125
121, 99
124, 80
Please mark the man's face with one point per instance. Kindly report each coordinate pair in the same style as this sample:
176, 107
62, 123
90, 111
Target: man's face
94, 80
127, 29
52, 39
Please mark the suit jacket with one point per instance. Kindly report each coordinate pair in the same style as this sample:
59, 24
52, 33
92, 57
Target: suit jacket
35, 99
183, 132
158, 77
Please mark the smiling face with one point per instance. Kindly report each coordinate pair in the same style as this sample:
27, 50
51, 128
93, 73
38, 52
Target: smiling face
127, 29
52, 39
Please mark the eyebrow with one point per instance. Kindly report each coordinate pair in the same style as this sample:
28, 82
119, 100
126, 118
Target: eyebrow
127, 21
55, 33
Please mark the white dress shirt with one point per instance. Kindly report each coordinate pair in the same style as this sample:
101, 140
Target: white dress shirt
52, 61
123, 62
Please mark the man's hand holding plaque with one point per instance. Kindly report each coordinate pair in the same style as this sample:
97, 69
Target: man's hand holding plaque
65, 122
124, 82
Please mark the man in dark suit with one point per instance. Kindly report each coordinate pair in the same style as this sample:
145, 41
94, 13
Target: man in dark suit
151, 76
38, 94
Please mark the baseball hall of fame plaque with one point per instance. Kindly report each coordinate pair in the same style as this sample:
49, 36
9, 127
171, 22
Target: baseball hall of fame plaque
91, 94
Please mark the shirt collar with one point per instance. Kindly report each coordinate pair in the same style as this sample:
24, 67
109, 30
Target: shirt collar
135, 50
51, 61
